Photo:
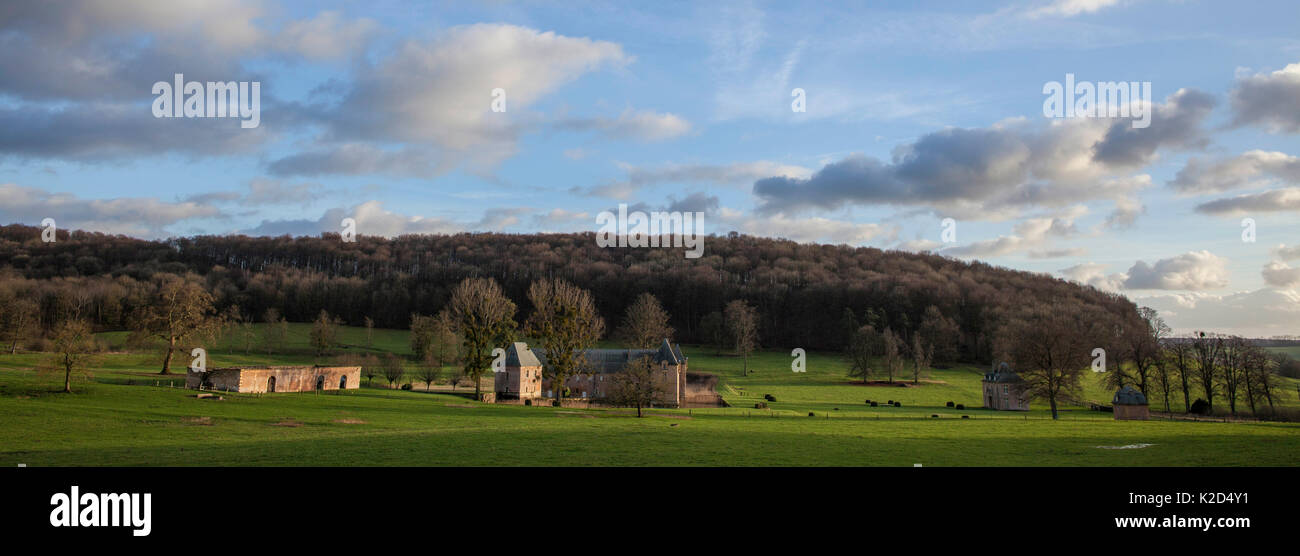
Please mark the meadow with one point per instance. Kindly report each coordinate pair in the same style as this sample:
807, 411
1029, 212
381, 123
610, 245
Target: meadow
126, 415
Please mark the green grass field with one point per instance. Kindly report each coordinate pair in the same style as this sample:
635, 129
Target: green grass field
125, 415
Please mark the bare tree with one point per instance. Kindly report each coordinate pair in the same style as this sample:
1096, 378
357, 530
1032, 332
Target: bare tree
324, 333
645, 324
891, 354
567, 324
1207, 349
370, 332
1051, 350
18, 319
742, 323
446, 345
1232, 368
921, 357
179, 310
73, 350
391, 366
484, 318
277, 330
1182, 357
422, 341
636, 386
428, 372
863, 349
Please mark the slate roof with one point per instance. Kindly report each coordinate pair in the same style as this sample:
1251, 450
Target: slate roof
614, 360
518, 355
1128, 396
1002, 374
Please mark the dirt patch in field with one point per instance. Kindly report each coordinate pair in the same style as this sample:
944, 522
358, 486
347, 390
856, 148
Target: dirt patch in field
1126, 447
349, 421
201, 421
287, 423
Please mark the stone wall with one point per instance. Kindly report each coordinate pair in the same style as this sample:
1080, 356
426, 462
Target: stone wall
1132, 412
286, 379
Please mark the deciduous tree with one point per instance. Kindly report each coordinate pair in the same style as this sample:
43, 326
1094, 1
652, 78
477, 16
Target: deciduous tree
645, 324
566, 323
484, 319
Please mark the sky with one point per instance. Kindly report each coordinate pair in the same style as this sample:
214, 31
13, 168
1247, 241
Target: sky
419, 117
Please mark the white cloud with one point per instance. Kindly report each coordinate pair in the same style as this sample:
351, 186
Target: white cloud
803, 230
737, 174
1279, 274
642, 125
1282, 251
1069, 8
1194, 270
1275, 200
1251, 169
1094, 274
1261, 313
1270, 100
134, 216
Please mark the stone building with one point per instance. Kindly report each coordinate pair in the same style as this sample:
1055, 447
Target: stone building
1004, 390
276, 379
522, 377
1130, 405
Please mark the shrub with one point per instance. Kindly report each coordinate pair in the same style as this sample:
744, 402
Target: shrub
760, 405
960, 406
949, 404
1200, 407
868, 402
965, 416
812, 414
898, 404
769, 397
934, 415
875, 404
890, 402
406, 386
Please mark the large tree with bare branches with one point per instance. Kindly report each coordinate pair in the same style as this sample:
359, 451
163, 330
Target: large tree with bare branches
1051, 349
566, 323
179, 310
742, 324
484, 318
636, 386
645, 324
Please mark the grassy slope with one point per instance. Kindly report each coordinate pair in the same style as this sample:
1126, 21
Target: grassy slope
120, 418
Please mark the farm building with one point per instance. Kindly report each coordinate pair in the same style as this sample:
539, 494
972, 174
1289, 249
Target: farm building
522, 377
276, 379
1004, 390
1130, 405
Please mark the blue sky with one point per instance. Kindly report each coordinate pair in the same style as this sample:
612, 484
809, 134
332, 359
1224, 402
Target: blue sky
916, 112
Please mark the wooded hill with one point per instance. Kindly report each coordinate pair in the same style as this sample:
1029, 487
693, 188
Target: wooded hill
810, 296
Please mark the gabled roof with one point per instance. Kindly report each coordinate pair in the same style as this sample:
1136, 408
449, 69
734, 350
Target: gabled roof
615, 360
1002, 374
518, 355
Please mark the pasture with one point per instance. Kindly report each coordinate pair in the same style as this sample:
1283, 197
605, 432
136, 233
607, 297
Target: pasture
125, 415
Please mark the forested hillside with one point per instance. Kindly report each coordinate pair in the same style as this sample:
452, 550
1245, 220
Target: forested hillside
809, 296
